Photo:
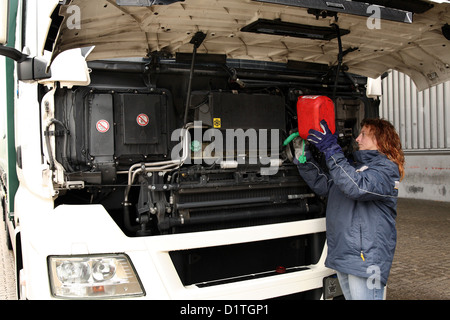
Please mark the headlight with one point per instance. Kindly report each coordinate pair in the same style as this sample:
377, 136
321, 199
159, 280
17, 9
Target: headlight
70, 272
93, 276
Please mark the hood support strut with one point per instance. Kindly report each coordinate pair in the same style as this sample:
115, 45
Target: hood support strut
341, 55
196, 40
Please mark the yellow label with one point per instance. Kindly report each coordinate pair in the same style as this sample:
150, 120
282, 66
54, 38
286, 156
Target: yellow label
217, 122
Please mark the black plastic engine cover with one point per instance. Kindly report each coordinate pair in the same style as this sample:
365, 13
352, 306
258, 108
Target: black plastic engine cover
227, 110
112, 130
141, 128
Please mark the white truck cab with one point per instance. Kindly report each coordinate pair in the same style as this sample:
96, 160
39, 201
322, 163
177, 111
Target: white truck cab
145, 152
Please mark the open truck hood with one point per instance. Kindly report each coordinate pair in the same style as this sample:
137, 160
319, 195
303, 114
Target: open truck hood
414, 41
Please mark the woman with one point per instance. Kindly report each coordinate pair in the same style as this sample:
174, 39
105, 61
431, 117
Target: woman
362, 201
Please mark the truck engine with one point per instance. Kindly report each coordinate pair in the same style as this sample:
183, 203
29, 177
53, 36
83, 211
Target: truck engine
160, 164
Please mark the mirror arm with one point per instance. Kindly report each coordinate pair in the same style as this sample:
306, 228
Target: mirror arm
12, 53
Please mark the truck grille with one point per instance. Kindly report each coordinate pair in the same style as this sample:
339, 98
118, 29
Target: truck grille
238, 262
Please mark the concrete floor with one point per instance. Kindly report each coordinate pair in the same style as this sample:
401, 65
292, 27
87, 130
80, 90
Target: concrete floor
421, 266
7, 274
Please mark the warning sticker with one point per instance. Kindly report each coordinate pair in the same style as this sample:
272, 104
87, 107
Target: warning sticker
142, 119
217, 122
102, 126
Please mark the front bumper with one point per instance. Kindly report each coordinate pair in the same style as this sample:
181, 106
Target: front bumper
92, 231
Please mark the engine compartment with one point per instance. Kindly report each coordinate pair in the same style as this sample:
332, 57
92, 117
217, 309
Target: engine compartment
167, 150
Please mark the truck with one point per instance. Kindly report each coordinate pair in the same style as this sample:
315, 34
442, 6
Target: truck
146, 145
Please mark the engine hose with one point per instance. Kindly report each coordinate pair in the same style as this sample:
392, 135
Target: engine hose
302, 158
126, 218
290, 138
66, 163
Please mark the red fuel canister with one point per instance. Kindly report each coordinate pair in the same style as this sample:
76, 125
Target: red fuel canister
311, 110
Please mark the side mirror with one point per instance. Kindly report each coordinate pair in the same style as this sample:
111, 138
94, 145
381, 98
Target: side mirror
4, 10
27, 68
33, 69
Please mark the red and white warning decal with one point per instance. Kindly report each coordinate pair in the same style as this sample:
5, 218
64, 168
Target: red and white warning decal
102, 126
142, 119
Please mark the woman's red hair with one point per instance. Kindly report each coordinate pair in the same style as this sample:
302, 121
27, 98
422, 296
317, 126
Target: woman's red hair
388, 141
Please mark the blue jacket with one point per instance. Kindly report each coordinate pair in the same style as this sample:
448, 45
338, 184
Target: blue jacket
361, 211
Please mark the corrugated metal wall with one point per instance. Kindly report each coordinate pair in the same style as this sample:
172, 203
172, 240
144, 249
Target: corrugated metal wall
421, 118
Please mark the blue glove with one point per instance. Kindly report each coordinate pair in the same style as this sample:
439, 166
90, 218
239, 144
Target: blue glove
325, 141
